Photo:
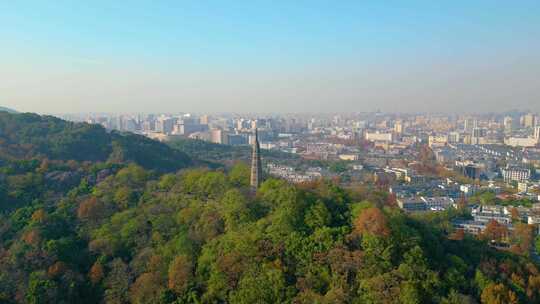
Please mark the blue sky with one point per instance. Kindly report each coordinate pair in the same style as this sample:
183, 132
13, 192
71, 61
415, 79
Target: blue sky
170, 47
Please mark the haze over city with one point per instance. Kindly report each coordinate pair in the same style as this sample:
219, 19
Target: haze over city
285, 56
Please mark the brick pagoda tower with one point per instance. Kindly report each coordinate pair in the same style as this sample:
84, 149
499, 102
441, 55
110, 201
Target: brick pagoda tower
256, 166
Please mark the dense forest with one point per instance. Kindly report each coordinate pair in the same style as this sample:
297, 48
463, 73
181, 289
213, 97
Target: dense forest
89, 217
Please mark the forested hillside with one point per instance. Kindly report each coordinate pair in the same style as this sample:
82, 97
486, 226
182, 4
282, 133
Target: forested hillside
43, 157
199, 237
119, 233
30, 136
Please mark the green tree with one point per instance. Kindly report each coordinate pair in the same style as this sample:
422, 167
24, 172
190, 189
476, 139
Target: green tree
318, 216
239, 175
266, 285
117, 282
236, 210
41, 289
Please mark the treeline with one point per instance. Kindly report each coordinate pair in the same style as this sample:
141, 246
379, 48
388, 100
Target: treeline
199, 236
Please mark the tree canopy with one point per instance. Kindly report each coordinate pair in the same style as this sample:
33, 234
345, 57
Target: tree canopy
118, 232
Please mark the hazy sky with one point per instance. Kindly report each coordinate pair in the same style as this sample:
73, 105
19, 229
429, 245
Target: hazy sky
269, 56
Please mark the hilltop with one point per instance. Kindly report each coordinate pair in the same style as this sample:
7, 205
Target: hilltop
31, 136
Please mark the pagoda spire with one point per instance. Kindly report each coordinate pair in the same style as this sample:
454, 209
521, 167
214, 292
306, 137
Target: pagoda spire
256, 166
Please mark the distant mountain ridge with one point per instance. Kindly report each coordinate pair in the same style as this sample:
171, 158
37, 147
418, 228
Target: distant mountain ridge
4, 109
26, 136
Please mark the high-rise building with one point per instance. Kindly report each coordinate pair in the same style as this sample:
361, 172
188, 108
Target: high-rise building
256, 165
187, 126
398, 127
437, 140
537, 134
453, 137
507, 122
242, 124
478, 136
203, 120
218, 136
165, 125
515, 174
469, 124
528, 120
472, 171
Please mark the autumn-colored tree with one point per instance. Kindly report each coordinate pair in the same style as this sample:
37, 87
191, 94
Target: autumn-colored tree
391, 200
494, 231
44, 166
96, 273
522, 238
498, 294
372, 221
32, 237
56, 269
517, 280
533, 288
90, 209
180, 273
514, 214
531, 269
39, 216
232, 265
343, 262
156, 264
102, 246
427, 163
147, 289
457, 235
